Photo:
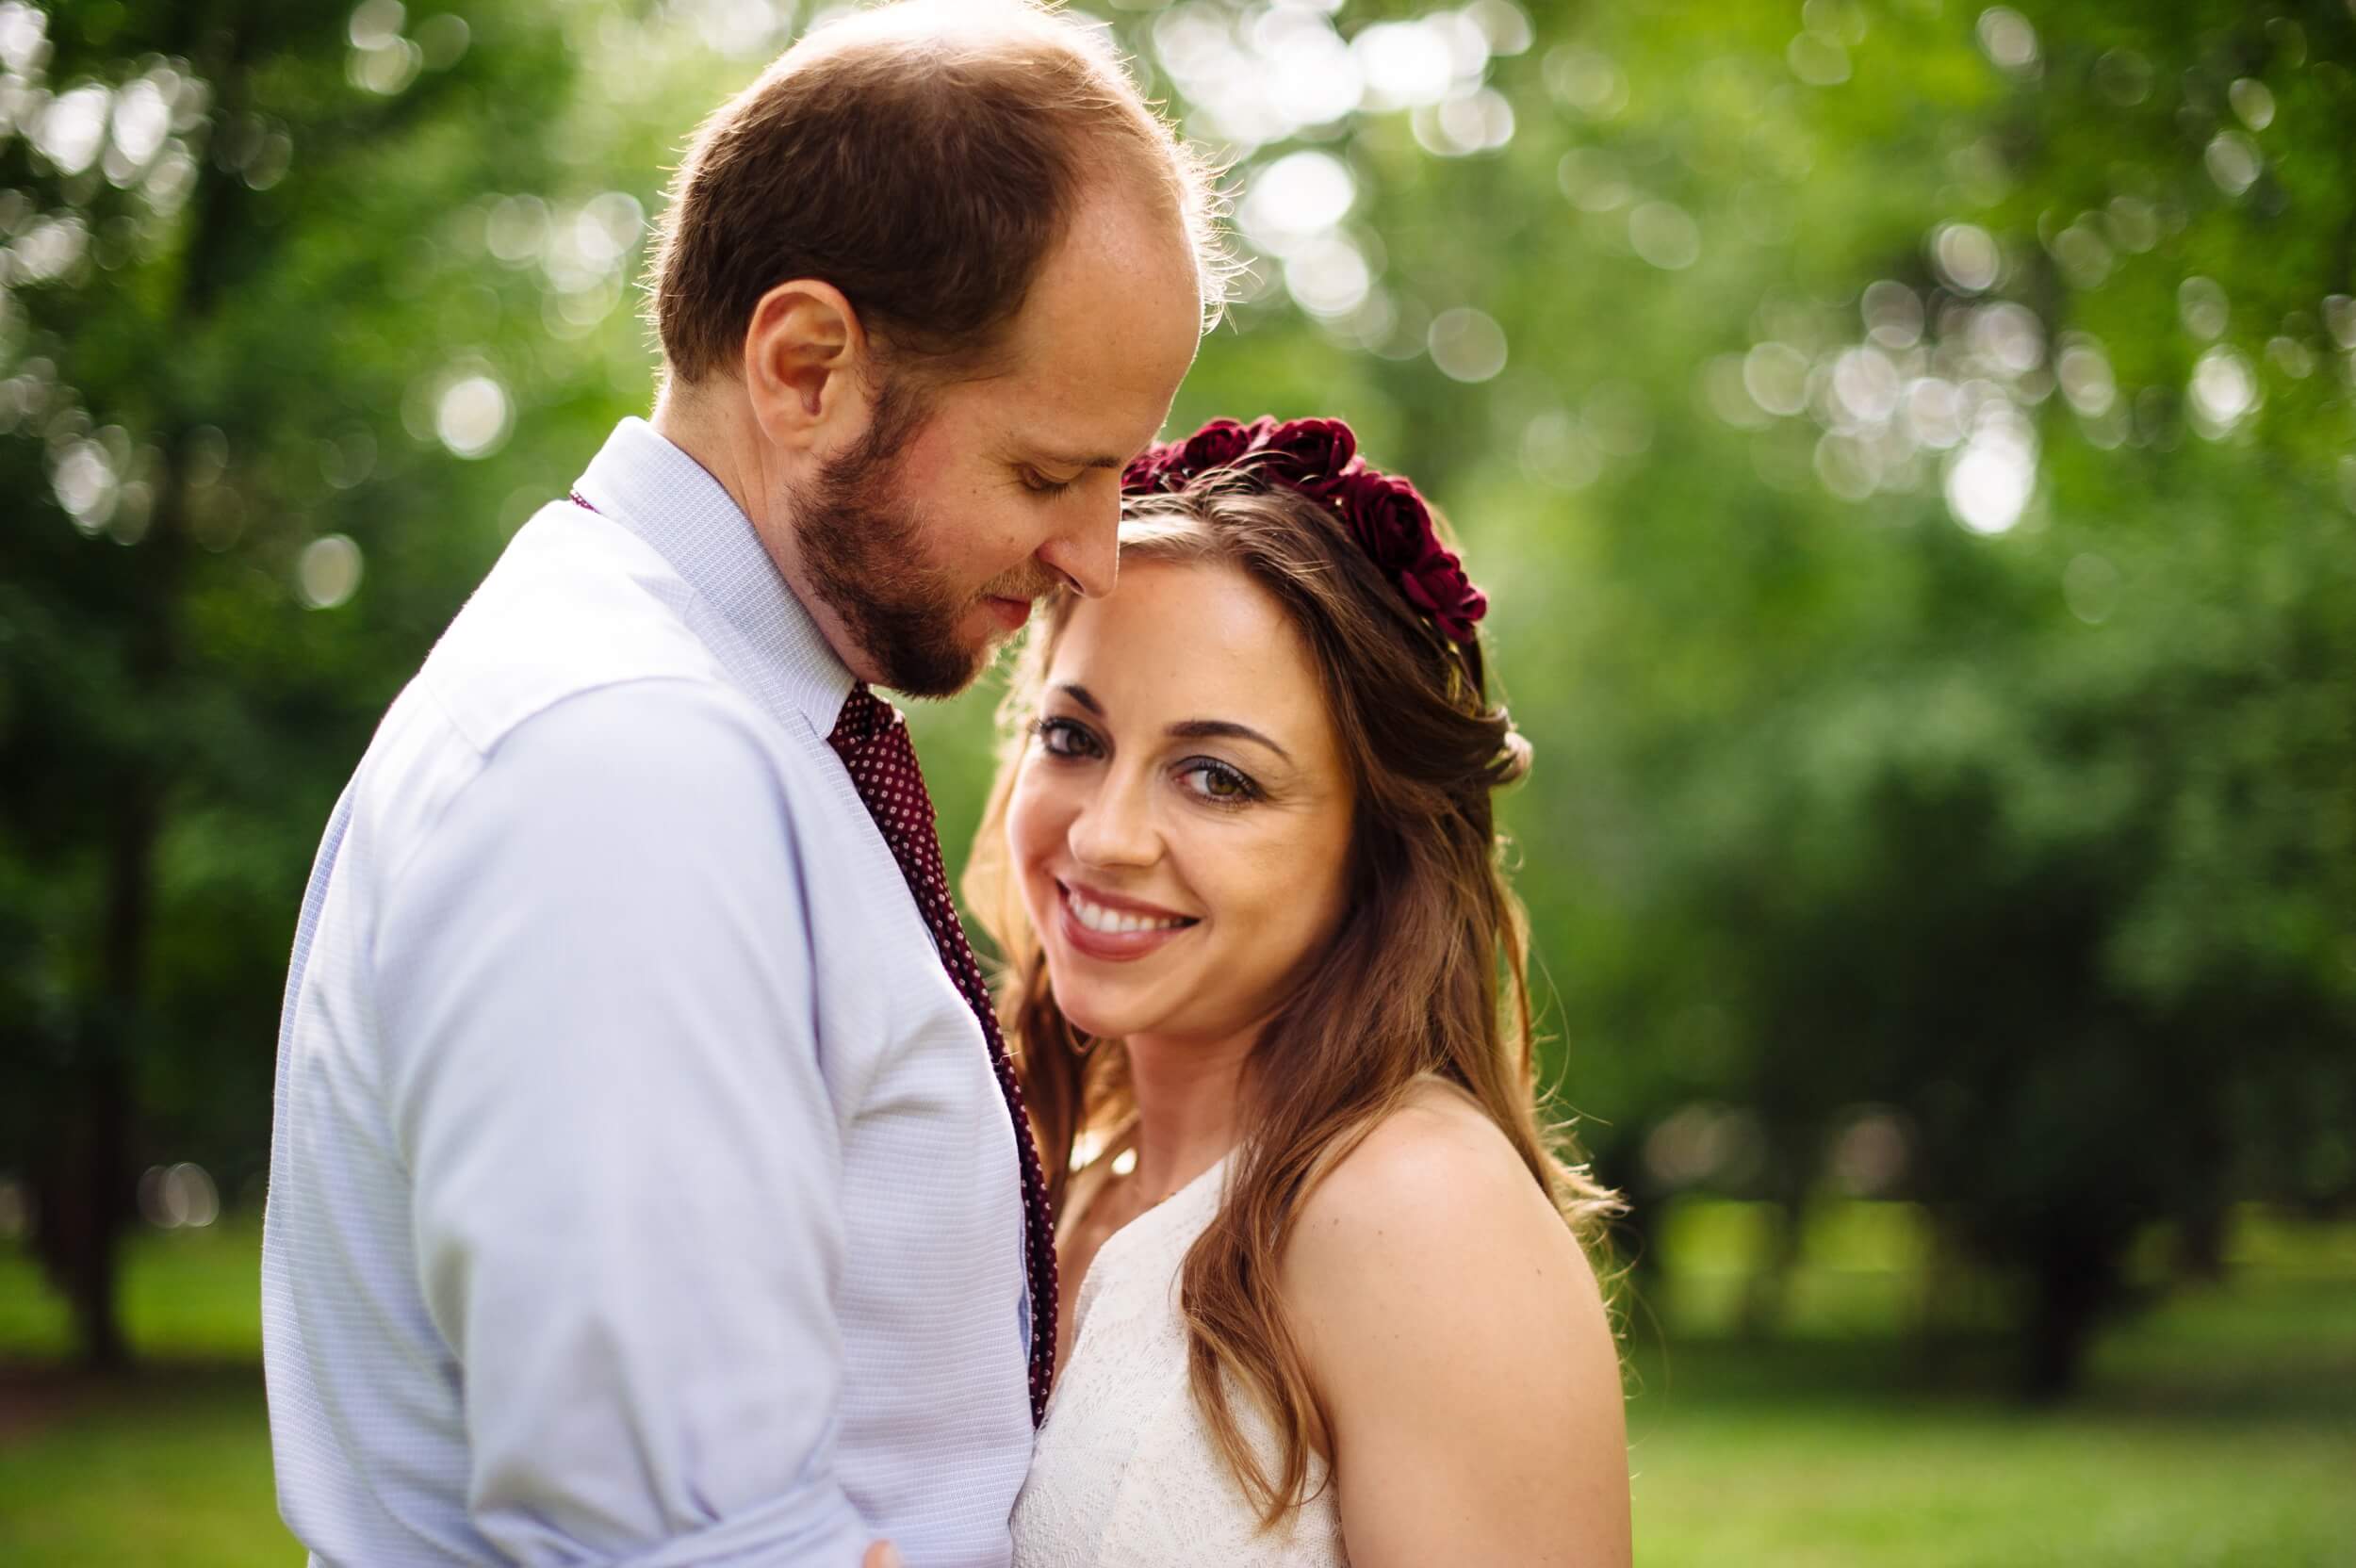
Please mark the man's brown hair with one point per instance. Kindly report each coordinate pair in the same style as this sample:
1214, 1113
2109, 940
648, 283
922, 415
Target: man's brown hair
924, 158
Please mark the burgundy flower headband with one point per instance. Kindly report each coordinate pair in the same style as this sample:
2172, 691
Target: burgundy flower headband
1320, 459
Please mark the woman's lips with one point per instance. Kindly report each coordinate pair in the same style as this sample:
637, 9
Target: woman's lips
1150, 930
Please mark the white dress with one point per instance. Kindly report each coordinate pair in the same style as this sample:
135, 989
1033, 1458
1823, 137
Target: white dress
1125, 1475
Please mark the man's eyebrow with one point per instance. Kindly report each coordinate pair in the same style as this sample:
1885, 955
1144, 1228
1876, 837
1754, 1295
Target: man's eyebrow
1223, 729
1073, 460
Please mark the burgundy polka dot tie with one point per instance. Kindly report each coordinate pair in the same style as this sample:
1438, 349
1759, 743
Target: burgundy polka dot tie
874, 745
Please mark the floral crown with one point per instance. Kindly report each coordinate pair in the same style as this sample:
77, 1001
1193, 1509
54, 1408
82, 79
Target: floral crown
1319, 458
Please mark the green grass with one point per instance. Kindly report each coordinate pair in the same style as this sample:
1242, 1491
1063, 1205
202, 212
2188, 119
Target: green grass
168, 1467
2205, 1437
2217, 1430
166, 1471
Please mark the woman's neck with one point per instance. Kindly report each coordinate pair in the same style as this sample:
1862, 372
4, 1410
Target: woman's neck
1186, 1095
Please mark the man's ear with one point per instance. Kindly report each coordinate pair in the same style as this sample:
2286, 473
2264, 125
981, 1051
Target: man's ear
805, 353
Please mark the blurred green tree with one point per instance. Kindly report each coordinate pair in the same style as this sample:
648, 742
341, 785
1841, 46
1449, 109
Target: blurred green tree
1906, 443
231, 223
1976, 744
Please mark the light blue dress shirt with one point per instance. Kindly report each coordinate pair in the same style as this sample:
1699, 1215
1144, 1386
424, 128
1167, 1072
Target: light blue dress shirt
639, 1189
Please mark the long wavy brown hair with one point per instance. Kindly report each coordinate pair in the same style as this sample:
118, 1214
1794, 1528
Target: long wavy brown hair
1425, 973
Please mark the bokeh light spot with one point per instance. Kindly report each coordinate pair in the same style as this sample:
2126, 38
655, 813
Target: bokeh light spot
2123, 76
2009, 39
2252, 102
2290, 357
73, 128
1328, 276
1776, 376
1466, 344
1296, 199
375, 23
1990, 481
1664, 236
142, 118
84, 477
174, 1197
1585, 80
2202, 306
1966, 256
1817, 60
2223, 392
2086, 381
1893, 314
472, 415
1404, 63
2339, 318
2090, 588
442, 40
2234, 162
1556, 451
327, 573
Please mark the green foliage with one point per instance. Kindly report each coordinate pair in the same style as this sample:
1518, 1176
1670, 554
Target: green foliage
2017, 850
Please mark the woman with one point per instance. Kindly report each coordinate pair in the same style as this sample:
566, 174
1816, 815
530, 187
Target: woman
1322, 1279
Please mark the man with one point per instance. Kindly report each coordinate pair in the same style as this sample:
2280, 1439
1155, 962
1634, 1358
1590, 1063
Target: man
645, 1187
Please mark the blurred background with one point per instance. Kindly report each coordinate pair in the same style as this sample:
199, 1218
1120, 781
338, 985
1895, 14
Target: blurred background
1911, 449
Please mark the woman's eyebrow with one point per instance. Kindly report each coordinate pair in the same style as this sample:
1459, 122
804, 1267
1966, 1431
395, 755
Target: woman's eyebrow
1191, 730
1223, 730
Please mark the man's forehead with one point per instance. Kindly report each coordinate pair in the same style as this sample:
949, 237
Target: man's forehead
1108, 330
1122, 285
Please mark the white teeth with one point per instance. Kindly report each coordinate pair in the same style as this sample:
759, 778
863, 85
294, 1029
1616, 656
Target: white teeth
1097, 918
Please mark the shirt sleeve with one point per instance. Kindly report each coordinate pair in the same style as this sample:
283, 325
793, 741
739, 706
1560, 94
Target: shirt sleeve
598, 1004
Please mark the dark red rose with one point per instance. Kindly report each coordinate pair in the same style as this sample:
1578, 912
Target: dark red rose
1388, 517
1311, 455
1215, 445
1437, 586
1152, 469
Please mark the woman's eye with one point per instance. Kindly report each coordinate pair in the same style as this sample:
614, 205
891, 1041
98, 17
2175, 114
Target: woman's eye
1217, 781
1064, 738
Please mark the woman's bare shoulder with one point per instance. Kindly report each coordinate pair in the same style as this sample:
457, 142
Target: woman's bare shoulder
1460, 1345
1435, 1180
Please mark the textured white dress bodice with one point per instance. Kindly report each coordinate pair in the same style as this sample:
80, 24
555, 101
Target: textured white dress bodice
1125, 1474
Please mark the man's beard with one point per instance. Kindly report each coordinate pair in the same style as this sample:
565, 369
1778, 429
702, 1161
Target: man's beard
864, 550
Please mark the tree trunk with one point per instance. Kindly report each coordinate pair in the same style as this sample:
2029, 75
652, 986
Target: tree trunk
1767, 1289
2077, 1281
89, 1206
94, 1200
2201, 1238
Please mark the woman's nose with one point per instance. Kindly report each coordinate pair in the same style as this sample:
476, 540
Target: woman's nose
1115, 828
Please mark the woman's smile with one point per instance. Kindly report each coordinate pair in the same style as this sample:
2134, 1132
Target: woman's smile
1098, 925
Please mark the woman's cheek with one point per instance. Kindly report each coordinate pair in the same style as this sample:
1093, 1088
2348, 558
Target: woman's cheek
1029, 835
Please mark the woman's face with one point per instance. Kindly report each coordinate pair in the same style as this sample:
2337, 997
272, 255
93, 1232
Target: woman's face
1180, 815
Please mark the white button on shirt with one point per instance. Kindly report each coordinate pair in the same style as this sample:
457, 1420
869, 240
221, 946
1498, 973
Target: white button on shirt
639, 1189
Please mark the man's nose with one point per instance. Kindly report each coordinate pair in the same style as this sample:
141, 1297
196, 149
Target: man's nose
1088, 554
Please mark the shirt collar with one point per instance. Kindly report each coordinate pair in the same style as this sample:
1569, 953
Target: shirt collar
648, 486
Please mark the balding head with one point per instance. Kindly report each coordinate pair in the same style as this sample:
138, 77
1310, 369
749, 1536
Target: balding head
925, 158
